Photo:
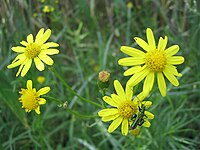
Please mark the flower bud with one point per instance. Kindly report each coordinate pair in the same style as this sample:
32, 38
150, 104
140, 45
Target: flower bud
103, 80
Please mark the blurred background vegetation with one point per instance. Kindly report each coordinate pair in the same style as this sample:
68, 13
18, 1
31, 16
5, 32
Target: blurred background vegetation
90, 33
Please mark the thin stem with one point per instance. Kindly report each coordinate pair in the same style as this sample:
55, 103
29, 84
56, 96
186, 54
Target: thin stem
71, 90
53, 99
81, 115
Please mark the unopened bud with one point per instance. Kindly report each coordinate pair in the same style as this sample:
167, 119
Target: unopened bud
135, 131
103, 80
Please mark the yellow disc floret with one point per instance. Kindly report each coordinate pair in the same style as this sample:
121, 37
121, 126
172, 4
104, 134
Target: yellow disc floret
32, 50
127, 109
156, 60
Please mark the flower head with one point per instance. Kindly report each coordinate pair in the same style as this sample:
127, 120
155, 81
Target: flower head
30, 98
154, 61
36, 50
123, 109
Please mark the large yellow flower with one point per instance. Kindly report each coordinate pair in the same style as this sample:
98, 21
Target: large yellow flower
36, 50
155, 60
30, 98
124, 108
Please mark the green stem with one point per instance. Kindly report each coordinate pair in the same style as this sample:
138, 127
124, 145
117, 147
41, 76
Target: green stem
71, 90
70, 110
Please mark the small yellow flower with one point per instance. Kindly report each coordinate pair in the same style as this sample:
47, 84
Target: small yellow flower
36, 50
48, 9
30, 98
40, 79
154, 61
123, 108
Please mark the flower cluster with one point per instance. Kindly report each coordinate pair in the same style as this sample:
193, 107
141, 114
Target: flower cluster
152, 61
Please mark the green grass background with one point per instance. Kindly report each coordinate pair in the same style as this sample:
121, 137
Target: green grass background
90, 33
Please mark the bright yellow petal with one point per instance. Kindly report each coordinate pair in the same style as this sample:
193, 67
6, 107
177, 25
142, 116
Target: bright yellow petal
29, 84
129, 92
30, 38
137, 77
44, 37
113, 126
42, 101
110, 101
170, 77
147, 104
171, 50
132, 70
24, 43
162, 43
37, 110
149, 115
146, 123
109, 118
117, 99
108, 112
131, 61
46, 59
50, 51
175, 60
142, 43
173, 70
124, 127
148, 82
18, 49
161, 83
132, 51
141, 96
151, 39
39, 64
22, 58
43, 91
119, 89
39, 34
19, 70
49, 44
26, 68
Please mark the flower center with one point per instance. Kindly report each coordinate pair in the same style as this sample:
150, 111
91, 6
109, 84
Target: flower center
127, 110
32, 50
156, 60
29, 100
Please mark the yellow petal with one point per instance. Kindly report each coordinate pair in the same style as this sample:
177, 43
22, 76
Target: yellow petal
43, 91
49, 44
132, 51
170, 77
142, 43
119, 89
37, 110
129, 92
46, 59
175, 60
110, 101
171, 50
19, 70
149, 115
30, 38
43, 38
109, 118
50, 51
24, 43
147, 104
132, 70
137, 77
148, 82
146, 123
22, 58
108, 112
39, 64
151, 39
42, 101
27, 66
173, 70
141, 96
29, 84
113, 126
131, 61
117, 99
39, 35
18, 49
161, 84
124, 127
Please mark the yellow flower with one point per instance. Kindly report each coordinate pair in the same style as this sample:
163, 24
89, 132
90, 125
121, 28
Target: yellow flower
48, 9
36, 50
124, 108
30, 98
40, 79
155, 60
